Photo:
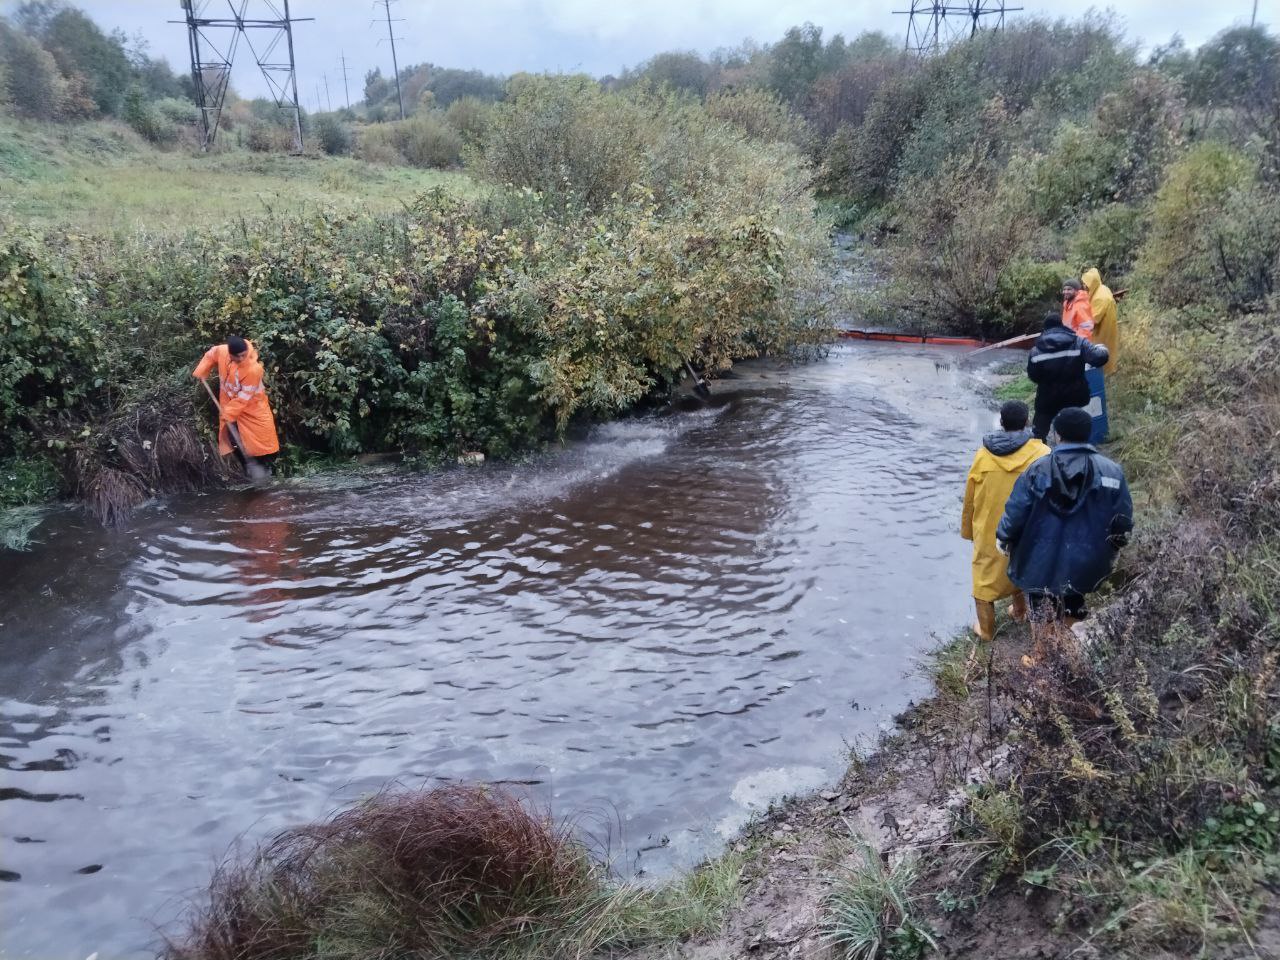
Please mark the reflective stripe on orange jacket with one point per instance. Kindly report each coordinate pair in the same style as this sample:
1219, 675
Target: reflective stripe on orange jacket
1077, 315
243, 400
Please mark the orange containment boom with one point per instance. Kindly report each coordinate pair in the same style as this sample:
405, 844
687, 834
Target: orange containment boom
917, 338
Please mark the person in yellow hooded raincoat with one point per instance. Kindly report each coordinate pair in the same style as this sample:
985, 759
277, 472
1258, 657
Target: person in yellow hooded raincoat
1005, 454
1106, 330
242, 398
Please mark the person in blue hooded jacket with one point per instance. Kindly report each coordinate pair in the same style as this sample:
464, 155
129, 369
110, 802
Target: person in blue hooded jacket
1067, 517
1057, 367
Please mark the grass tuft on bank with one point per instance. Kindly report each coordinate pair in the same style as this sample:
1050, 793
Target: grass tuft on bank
456, 871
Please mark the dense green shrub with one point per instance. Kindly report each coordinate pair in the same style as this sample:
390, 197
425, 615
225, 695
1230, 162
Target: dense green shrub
447, 328
681, 70
34, 87
264, 137
372, 143
1236, 76
864, 159
333, 135
1197, 250
1024, 290
1119, 156
1108, 239
470, 117
49, 351
756, 113
146, 119
1075, 175
177, 112
961, 232
427, 141
79, 46
565, 137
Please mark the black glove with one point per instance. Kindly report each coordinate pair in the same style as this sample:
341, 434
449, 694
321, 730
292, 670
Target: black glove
1118, 540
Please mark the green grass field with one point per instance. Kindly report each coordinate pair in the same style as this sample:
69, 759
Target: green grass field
101, 178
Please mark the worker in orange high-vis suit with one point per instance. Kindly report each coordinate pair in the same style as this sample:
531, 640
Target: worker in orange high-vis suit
1077, 312
241, 397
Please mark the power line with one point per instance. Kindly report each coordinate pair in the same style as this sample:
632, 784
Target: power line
386, 6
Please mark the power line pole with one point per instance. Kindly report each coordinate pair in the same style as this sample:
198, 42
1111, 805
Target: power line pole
391, 36
935, 24
328, 101
212, 42
293, 77
1253, 22
346, 91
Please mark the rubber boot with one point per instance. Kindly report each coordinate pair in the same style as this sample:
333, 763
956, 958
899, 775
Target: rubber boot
985, 628
1018, 607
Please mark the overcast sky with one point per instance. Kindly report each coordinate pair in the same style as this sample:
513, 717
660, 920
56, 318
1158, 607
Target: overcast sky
595, 36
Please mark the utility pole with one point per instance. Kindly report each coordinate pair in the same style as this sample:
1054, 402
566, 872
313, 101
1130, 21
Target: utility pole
934, 24
293, 78
212, 43
346, 91
328, 101
391, 36
1253, 22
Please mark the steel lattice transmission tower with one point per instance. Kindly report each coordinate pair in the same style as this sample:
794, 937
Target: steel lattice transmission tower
936, 24
214, 41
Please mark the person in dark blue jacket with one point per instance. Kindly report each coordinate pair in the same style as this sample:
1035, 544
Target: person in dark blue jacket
1067, 517
1056, 366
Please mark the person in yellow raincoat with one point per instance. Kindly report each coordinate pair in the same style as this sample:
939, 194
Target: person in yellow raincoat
996, 467
241, 397
1106, 330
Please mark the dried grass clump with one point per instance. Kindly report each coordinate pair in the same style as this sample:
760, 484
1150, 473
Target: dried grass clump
150, 448
111, 494
453, 871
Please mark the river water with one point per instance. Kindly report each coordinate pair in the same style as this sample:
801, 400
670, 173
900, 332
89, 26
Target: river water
659, 628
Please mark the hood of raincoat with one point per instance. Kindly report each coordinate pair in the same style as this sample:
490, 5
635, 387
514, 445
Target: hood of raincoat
1092, 280
1071, 470
1004, 442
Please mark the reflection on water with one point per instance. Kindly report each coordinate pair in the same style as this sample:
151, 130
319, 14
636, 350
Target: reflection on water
668, 623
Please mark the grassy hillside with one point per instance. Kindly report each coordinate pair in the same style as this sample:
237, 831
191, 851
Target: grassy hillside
102, 177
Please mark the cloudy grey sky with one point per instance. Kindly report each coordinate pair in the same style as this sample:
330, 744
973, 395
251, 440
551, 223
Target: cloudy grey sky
595, 36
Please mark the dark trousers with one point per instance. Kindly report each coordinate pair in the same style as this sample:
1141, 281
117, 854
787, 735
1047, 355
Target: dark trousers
1051, 402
